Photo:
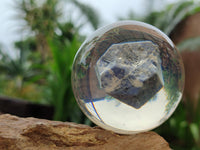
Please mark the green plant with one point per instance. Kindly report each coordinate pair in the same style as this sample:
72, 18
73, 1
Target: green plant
19, 76
59, 80
182, 130
91, 15
191, 44
167, 19
52, 45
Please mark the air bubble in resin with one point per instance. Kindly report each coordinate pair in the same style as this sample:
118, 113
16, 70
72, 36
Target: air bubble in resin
128, 77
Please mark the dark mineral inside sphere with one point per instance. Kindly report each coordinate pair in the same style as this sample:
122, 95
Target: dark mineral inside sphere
130, 74
128, 77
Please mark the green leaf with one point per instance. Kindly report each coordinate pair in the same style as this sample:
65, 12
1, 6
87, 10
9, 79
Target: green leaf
89, 12
190, 44
195, 131
167, 19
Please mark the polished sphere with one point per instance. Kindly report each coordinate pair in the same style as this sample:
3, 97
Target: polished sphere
128, 77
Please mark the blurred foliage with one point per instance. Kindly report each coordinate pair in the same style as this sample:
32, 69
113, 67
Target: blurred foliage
91, 15
59, 81
167, 19
182, 130
191, 44
20, 75
41, 70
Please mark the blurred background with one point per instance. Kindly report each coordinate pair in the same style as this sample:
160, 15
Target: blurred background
39, 39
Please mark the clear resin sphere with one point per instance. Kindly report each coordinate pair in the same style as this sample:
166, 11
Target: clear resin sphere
128, 77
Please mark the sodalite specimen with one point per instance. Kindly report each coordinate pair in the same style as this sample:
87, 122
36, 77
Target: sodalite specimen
128, 77
131, 72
